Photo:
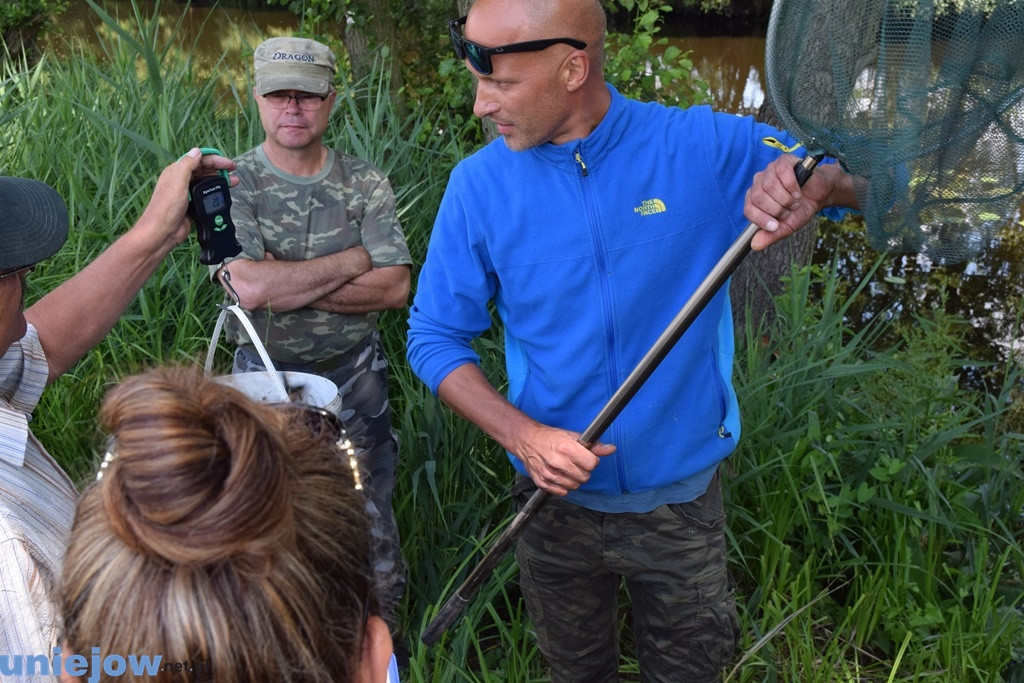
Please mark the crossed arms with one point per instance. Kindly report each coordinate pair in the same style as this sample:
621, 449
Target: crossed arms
343, 282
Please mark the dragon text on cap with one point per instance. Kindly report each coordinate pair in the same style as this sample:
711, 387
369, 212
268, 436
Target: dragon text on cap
293, 57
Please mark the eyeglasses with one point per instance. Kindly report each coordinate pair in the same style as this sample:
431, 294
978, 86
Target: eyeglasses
17, 271
480, 57
306, 101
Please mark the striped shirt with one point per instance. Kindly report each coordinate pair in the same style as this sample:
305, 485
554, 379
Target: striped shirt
37, 505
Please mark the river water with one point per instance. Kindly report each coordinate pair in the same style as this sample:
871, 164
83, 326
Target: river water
986, 292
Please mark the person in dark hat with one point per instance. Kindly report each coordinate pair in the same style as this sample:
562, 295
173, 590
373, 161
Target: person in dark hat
37, 345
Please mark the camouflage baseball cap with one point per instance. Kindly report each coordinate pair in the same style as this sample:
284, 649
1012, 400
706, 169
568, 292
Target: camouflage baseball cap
287, 63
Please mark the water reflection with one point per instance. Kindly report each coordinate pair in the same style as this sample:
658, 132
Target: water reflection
985, 293
220, 41
731, 66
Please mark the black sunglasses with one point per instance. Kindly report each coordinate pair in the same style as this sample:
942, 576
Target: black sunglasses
480, 57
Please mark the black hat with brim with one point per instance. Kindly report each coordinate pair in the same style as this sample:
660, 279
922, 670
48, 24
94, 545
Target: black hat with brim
33, 221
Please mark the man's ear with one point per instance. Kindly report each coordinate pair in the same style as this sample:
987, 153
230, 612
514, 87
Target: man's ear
577, 68
377, 650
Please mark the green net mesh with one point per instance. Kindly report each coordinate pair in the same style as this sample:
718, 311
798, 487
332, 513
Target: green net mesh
924, 100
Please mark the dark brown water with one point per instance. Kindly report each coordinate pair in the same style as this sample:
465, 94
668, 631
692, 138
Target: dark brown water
733, 67
207, 33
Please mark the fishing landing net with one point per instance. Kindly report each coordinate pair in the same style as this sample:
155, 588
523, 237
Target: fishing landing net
923, 100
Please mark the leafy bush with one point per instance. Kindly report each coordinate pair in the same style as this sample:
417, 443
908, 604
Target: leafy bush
645, 67
19, 13
21, 21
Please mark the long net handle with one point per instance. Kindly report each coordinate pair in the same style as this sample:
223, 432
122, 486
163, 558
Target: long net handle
725, 267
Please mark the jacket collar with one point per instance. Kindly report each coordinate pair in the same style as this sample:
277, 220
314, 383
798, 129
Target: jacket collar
596, 146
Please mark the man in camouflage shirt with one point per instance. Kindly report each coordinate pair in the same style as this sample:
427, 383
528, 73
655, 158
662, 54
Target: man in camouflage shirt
322, 254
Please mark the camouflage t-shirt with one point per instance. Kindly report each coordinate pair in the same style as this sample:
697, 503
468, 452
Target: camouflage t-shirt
349, 202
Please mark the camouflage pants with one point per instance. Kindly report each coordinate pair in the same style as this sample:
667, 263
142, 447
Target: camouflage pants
362, 380
673, 560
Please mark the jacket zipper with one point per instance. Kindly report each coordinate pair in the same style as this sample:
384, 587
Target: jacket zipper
723, 392
619, 466
579, 160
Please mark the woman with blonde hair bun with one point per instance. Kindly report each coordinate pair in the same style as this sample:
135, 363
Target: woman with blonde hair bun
225, 536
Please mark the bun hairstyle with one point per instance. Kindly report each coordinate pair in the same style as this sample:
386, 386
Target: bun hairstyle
223, 531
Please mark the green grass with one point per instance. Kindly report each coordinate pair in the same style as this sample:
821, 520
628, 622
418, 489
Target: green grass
869, 474
875, 506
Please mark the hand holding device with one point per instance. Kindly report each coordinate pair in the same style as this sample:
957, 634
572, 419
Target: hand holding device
209, 206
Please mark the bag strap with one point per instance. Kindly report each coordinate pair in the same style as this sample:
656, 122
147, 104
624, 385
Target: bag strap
243, 318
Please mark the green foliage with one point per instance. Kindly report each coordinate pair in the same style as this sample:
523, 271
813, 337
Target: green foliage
877, 504
645, 67
22, 22
23, 13
318, 18
906, 284
876, 507
945, 7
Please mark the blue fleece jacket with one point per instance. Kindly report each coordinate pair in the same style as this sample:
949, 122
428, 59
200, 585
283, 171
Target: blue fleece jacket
588, 250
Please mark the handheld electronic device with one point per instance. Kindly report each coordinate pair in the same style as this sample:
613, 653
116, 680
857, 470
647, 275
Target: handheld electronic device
209, 206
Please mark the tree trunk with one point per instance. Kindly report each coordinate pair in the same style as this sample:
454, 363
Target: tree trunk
363, 45
20, 42
758, 280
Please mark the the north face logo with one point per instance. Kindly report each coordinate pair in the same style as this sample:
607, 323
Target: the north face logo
649, 206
